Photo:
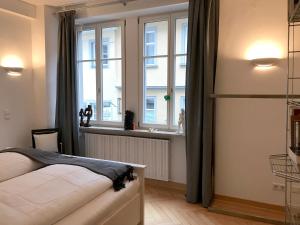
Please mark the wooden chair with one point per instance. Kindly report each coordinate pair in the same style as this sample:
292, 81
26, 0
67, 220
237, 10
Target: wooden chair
48, 131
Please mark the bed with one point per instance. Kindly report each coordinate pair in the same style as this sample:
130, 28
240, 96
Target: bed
66, 194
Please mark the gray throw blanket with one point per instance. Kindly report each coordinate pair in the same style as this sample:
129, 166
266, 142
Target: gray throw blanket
117, 172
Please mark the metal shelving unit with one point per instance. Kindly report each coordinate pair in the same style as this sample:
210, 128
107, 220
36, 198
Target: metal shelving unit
282, 165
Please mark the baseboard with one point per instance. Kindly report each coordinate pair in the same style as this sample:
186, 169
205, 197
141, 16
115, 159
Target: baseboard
246, 216
249, 202
166, 184
248, 209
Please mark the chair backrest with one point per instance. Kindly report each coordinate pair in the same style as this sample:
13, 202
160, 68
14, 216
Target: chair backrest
47, 131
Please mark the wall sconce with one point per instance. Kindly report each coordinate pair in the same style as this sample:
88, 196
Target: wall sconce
264, 54
13, 71
12, 65
264, 62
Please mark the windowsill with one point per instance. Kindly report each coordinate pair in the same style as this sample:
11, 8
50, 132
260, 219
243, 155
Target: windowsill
133, 133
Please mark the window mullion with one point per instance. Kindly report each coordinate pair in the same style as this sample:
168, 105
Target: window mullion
98, 73
171, 70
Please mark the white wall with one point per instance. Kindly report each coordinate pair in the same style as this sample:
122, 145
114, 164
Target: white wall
249, 130
16, 95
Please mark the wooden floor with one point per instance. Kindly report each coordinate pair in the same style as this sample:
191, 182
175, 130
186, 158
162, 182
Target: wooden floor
168, 207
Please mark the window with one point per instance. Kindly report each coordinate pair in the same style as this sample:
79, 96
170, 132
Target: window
92, 52
184, 34
100, 69
182, 102
150, 109
86, 67
119, 105
163, 86
150, 45
105, 52
107, 110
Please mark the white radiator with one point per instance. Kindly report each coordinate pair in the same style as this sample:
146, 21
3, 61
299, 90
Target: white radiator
151, 152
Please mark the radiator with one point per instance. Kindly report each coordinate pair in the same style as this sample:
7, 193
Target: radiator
154, 153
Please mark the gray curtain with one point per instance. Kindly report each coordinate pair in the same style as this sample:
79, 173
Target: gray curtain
201, 70
66, 102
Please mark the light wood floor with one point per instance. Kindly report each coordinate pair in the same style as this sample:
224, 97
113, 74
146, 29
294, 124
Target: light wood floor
168, 207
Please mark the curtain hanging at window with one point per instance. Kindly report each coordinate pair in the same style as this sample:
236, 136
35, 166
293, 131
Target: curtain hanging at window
66, 102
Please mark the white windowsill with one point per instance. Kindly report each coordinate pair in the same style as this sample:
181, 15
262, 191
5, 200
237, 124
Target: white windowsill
134, 133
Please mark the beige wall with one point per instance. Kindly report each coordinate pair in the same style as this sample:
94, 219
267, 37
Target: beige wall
249, 130
44, 64
16, 93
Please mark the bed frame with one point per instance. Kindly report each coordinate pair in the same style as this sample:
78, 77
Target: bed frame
131, 213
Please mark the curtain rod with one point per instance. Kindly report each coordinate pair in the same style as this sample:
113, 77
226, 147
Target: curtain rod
265, 96
86, 6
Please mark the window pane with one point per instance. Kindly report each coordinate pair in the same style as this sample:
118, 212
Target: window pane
150, 109
156, 38
181, 35
111, 42
87, 86
86, 45
179, 89
112, 91
155, 88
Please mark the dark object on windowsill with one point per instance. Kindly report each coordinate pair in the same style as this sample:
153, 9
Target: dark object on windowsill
296, 150
128, 124
88, 112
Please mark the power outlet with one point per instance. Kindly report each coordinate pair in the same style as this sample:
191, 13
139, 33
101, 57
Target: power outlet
278, 187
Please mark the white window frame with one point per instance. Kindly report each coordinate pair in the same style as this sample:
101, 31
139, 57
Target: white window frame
99, 91
171, 19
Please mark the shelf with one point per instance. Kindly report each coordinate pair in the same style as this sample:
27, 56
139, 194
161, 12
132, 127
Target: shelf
294, 215
282, 166
293, 102
295, 14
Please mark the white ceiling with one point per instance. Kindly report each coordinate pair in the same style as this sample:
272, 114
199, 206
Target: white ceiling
62, 2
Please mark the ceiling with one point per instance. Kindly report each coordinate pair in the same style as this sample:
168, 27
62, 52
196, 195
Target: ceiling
62, 2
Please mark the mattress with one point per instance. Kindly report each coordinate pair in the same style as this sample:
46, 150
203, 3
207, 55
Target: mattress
46, 196
14, 164
104, 206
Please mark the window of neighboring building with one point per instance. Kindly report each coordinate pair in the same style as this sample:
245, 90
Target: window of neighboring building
93, 52
100, 68
105, 52
150, 109
166, 82
184, 36
119, 105
182, 102
150, 45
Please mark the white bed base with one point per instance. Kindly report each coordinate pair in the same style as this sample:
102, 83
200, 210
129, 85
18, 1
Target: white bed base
132, 213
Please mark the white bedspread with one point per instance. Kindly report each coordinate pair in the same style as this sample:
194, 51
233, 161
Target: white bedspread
47, 195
